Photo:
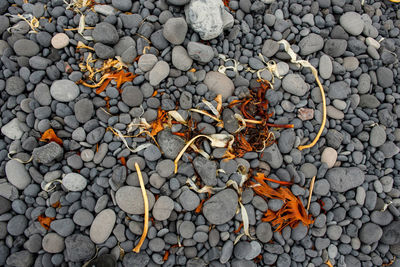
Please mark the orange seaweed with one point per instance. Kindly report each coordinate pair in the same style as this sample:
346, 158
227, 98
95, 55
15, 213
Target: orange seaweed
50, 136
45, 221
292, 212
157, 125
239, 228
120, 77
200, 206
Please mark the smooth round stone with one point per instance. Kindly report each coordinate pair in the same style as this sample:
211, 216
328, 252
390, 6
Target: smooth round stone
83, 217
87, 155
325, 67
53, 243
17, 175
132, 96
60, 40
102, 226
352, 23
219, 83
83, 110
162, 208
74, 182
221, 207
26, 48
329, 156
130, 199
64, 90
146, 62
187, 229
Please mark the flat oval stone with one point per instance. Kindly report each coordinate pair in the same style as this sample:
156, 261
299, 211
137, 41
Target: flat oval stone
163, 208
64, 90
53, 243
17, 175
60, 40
74, 182
221, 208
102, 226
130, 199
219, 83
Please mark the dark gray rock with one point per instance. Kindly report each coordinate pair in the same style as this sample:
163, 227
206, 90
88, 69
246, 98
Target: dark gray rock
15, 85
79, 248
344, 179
335, 47
295, 84
175, 30
310, 44
221, 207
385, 77
200, 52
170, 144
370, 233
26, 48
20, 258
339, 90
16, 225
104, 51
206, 169
48, 153
83, 110
63, 227
272, 156
286, 140
133, 259
391, 234
105, 33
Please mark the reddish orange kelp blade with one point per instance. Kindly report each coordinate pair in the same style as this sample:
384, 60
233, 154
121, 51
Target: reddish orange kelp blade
292, 212
45, 221
120, 77
50, 136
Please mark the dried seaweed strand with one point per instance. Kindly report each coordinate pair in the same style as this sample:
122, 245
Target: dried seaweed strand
311, 191
146, 210
307, 64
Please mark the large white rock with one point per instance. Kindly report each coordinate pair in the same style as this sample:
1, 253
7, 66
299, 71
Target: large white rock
12, 129
74, 182
102, 226
208, 18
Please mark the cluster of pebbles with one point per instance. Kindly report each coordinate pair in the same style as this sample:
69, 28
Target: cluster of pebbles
173, 46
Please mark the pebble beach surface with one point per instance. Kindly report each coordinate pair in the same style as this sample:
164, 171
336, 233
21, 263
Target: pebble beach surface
88, 152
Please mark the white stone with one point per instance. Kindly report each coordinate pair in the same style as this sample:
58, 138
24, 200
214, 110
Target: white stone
74, 182
329, 156
102, 226
60, 40
206, 17
12, 129
106, 10
372, 42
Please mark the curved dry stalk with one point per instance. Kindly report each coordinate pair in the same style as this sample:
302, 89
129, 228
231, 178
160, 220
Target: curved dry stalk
311, 191
307, 64
146, 210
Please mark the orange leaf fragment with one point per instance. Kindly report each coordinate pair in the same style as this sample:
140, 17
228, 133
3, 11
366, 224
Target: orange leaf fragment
200, 206
50, 136
328, 262
292, 212
157, 125
56, 205
123, 160
120, 77
166, 255
239, 228
45, 221
262, 176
